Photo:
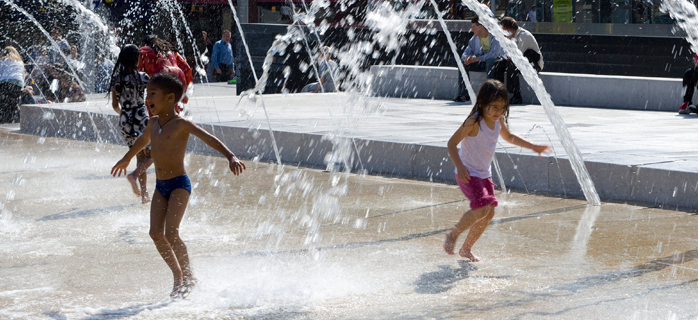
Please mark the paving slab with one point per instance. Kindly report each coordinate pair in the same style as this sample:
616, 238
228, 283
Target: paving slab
624, 139
307, 244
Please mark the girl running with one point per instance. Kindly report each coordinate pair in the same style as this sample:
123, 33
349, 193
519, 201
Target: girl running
478, 136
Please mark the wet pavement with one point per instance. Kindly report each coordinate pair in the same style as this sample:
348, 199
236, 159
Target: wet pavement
309, 244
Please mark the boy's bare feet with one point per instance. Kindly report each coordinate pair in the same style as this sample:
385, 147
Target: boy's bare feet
449, 245
177, 286
187, 287
467, 253
145, 198
135, 187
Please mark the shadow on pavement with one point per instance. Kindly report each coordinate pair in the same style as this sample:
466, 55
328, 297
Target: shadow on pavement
443, 279
114, 314
72, 213
640, 270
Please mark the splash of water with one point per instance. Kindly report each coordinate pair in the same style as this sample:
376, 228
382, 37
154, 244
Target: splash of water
465, 78
58, 49
245, 44
487, 19
252, 69
458, 57
686, 16
325, 207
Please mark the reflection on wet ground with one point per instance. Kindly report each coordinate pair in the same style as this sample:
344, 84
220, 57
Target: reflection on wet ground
76, 246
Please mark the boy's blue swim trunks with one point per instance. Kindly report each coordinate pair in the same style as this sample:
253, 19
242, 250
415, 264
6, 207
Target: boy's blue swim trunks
165, 187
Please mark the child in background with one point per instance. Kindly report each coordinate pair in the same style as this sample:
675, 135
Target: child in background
128, 88
478, 136
690, 81
168, 134
159, 56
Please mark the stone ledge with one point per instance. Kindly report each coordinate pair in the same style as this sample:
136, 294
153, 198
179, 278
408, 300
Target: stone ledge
579, 90
654, 184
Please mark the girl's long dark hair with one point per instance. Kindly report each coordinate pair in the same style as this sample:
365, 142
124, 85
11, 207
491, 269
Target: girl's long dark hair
128, 59
489, 92
160, 46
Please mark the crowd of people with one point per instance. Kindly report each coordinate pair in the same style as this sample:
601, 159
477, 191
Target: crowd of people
56, 73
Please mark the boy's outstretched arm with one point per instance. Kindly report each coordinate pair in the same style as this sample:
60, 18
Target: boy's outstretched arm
139, 144
234, 163
520, 142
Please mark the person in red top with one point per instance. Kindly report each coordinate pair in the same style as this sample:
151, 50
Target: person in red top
159, 56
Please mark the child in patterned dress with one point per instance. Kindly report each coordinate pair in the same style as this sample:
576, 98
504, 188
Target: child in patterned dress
128, 87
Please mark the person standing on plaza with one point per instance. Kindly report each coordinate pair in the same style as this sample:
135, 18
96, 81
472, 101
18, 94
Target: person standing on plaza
481, 53
532, 15
222, 58
205, 47
527, 44
11, 84
104, 70
63, 47
75, 63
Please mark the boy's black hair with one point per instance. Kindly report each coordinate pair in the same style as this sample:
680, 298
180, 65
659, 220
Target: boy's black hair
128, 58
168, 83
490, 91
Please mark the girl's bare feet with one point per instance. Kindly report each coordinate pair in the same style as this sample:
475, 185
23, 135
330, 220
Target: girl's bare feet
449, 245
467, 253
135, 187
145, 198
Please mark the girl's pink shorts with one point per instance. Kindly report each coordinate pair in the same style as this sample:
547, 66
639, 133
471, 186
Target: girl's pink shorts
478, 191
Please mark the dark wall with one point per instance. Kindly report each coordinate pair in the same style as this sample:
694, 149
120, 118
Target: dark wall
592, 54
616, 55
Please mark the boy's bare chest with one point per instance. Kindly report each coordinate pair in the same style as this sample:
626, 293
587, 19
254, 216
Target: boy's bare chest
168, 139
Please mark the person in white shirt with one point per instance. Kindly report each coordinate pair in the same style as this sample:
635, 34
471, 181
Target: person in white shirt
527, 44
328, 74
532, 15
11, 84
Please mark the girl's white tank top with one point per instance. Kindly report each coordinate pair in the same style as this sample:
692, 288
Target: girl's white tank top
477, 152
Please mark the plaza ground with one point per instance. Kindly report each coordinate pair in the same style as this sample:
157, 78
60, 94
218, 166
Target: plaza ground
76, 246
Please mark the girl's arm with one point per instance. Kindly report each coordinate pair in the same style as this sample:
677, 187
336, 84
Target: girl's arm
235, 164
520, 142
139, 144
464, 130
115, 103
